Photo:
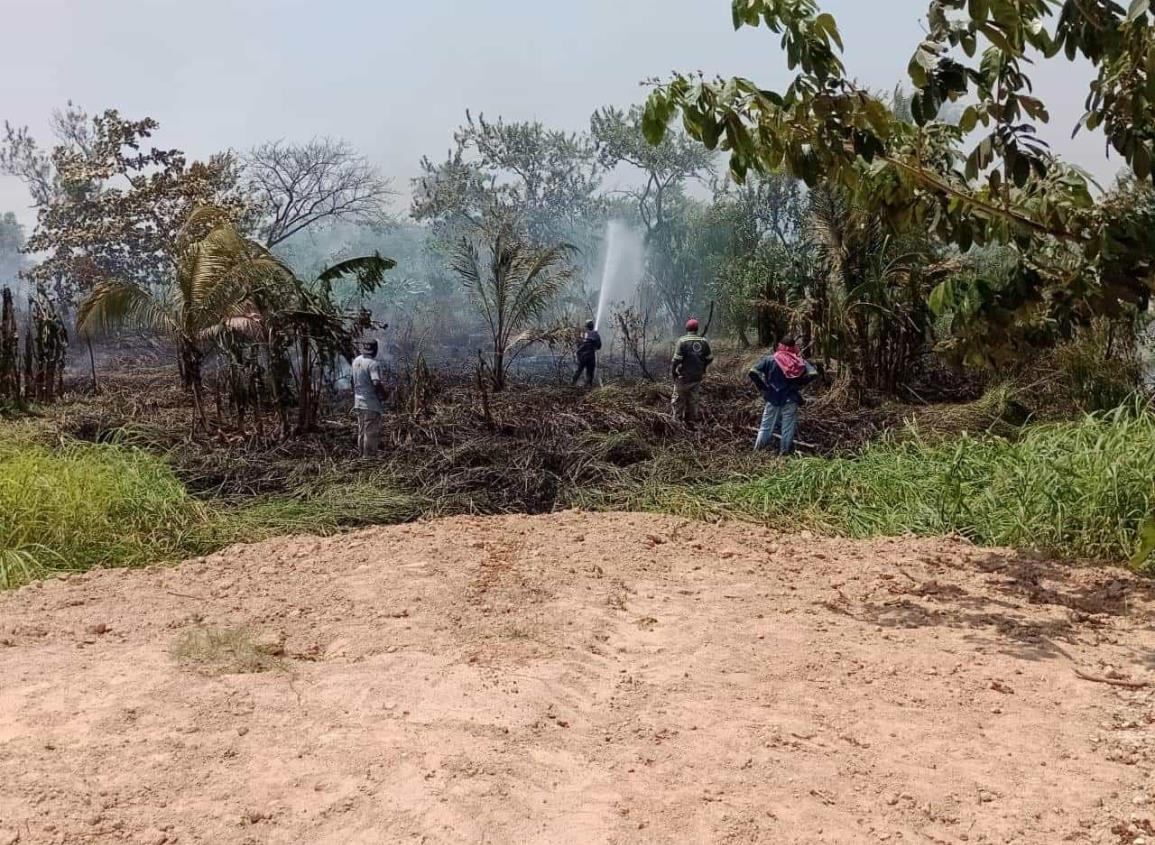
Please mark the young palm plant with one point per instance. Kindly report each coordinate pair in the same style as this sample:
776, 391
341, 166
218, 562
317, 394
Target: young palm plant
511, 289
215, 268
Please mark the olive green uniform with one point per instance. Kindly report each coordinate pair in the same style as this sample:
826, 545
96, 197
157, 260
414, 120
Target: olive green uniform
692, 357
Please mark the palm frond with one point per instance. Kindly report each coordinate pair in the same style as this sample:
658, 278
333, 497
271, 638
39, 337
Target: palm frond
370, 271
114, 304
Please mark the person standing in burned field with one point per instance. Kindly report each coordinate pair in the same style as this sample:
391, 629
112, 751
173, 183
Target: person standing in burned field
369, 396
692, 357
587, 354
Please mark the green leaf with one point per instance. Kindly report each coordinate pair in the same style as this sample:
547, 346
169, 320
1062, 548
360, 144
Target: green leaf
941, 298
878, 115
998, 38
711, 131
921, 65
827, 23
1146, 544
1141, 161
969, 120
656, 117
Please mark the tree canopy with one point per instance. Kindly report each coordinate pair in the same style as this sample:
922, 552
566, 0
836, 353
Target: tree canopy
110, 209
984, 178
295, 186
520, 174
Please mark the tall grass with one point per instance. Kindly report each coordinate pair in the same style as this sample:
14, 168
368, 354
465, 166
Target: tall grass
83, 506
1076, 489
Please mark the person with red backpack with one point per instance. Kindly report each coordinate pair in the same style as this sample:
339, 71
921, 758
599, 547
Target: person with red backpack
780, 377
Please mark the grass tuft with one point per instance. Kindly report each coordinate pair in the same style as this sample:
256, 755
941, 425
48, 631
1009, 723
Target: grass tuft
84, 506
223, 651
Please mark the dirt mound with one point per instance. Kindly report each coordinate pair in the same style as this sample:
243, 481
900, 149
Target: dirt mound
578, 679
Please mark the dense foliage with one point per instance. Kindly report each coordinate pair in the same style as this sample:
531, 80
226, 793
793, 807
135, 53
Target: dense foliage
1074, 257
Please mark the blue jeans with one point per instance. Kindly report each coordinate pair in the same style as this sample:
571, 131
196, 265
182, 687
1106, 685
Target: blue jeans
772, 417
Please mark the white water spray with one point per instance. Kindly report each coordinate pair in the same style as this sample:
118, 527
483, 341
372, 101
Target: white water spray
622, 266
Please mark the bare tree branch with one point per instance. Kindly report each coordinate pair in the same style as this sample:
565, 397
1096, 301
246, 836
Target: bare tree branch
325, 180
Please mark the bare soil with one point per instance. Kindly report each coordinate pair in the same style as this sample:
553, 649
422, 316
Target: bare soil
580, 678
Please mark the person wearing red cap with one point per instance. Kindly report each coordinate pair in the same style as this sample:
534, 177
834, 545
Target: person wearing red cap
692, 357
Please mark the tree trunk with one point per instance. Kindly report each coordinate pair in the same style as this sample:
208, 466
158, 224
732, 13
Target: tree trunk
191, 360
498, 368
305, 395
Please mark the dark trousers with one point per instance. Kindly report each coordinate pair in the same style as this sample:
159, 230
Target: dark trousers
587, 366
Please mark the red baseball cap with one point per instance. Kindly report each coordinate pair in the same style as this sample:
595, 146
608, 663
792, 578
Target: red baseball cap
691, 325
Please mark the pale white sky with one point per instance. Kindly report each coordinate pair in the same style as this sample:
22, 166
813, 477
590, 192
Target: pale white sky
394, 77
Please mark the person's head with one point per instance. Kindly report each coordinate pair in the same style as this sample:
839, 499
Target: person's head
590, 325
369, 348
692, 326
790, 340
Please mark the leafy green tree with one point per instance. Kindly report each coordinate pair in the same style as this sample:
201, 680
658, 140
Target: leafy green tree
109, 210
1076, 258
868, 303
215, 271
227, 289
665, 167
762, 280
515, 175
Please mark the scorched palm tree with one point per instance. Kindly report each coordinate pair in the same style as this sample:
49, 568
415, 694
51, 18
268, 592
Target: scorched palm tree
511, 289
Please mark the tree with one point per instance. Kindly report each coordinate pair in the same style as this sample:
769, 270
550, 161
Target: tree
291, 314
216, 270
869, 302
1007, 188
110, 210
323, 181
523, 176
22, 157
511, 289
11, 248
765, 268
665, 166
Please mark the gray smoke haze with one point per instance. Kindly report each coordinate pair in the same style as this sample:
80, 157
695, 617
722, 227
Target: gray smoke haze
395, 78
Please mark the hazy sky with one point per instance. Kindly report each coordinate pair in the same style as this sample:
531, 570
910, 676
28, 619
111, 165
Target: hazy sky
394, 77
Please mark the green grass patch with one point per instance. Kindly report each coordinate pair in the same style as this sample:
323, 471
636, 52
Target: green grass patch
81, 506
1083, 489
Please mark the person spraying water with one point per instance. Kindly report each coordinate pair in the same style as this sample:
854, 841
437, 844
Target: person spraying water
587, 354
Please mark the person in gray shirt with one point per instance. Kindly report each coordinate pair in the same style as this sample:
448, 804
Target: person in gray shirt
368, 399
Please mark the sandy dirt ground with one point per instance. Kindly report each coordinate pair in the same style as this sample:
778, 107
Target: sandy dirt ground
583, 678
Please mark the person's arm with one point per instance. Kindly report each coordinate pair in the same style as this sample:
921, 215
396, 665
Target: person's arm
758, 376
597, 342
676, 363
378, 382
